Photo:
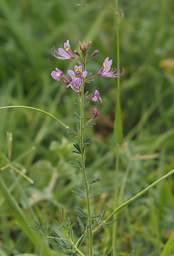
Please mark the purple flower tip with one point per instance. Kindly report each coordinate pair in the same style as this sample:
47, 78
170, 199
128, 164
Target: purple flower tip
64, 53
57, 74
106, 71
96, 96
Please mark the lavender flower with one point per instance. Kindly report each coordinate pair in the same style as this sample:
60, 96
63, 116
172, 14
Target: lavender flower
57, 74
96, 96
64, 53
105, 70
77, 77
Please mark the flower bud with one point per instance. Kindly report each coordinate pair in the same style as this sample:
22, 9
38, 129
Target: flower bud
84, 47
94, 113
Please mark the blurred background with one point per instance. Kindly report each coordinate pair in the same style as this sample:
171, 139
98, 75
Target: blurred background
31, 141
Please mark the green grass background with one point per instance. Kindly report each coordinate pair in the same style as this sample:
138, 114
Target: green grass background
31, 141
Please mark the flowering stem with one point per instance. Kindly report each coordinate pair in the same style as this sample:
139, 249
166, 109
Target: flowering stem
85, 179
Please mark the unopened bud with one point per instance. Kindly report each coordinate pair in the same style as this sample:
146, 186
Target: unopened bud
84, 47
94, 113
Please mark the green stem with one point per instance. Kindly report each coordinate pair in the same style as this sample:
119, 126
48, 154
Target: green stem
118, 42
114, 226
85, 179
117, 128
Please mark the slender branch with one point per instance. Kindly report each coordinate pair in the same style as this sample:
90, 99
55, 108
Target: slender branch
132, 199
38, 110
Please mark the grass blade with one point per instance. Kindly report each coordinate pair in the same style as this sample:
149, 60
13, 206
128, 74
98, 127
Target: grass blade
168, 246
118, 129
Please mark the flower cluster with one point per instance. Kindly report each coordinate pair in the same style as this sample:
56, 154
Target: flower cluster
78, 76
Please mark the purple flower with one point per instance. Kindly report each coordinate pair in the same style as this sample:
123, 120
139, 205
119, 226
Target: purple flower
77, 76
106, 71
57, 74
64, 53
96, 96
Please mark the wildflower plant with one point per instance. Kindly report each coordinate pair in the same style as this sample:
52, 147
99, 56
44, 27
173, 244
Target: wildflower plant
34, 221
78, 79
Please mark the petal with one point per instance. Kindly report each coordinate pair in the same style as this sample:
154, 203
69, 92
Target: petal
110, 64
106, 60
70, 53
109, 74
107, 64
75, 84
55, 75
84, 74
99, 72
61, 53
71, 73
66, 44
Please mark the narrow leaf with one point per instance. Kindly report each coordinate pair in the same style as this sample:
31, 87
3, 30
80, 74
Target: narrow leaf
77, 147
